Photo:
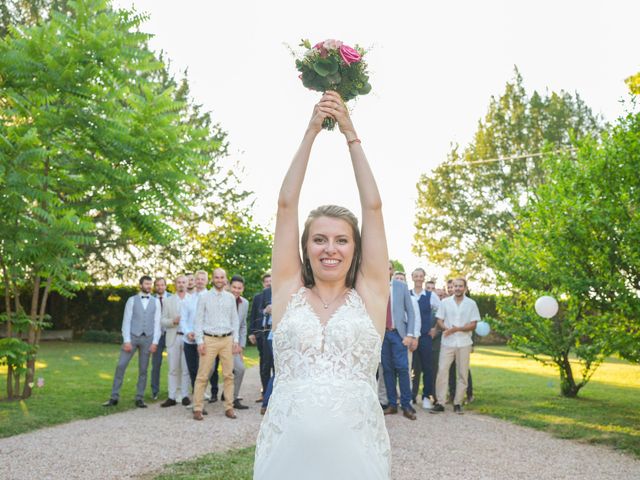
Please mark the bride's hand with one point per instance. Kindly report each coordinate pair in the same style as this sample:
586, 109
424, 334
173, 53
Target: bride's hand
333, 105
317, 117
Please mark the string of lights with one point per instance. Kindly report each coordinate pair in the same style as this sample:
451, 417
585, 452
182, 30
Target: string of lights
523, 156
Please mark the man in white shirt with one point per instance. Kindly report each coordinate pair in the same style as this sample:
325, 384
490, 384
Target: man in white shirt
140, 332
422, 365
457, 317
217, 334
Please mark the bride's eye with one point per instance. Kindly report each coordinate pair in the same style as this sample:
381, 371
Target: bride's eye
318, 240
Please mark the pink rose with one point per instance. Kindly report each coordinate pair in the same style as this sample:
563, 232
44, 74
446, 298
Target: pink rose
349, 55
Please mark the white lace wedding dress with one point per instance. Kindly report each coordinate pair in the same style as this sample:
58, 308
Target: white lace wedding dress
324, 421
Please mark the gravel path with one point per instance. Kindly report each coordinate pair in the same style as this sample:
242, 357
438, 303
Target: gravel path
443, 446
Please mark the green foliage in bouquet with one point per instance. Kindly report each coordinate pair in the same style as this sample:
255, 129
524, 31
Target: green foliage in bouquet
331, 65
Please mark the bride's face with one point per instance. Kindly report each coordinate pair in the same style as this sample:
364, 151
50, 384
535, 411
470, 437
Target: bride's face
330, 248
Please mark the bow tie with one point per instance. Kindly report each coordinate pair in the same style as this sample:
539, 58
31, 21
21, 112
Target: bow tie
145, 296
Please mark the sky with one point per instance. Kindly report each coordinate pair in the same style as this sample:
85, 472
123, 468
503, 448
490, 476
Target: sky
433, 66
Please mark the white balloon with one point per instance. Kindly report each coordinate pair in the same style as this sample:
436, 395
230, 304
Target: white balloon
483, 328
546, 306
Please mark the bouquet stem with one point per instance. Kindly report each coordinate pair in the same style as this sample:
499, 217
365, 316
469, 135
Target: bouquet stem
329, 123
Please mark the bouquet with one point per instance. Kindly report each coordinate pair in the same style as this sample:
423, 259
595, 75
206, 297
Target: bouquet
332, 65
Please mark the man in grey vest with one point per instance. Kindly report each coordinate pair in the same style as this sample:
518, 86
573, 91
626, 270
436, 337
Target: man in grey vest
140, 331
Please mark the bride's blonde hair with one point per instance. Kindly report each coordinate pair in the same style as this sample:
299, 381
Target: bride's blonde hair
333, 211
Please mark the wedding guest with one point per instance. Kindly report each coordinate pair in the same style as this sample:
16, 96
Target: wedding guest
260, 322
452, 369
191, 283
428, 303
201, 280
457, 317
190, 347
450, 289
141, 333
402, 277
269, 389
160, 287
399, 334
217, 334
430, 286
256, 332
175, 308
235, 287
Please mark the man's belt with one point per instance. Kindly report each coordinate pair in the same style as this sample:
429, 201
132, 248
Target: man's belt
179, 333
391, 329
218, 336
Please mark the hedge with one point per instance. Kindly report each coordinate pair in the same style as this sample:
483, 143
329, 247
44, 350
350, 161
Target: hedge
95, 313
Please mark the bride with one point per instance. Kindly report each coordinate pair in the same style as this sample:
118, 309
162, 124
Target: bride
329, 312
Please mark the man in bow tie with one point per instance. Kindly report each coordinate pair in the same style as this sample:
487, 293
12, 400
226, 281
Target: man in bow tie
140, 332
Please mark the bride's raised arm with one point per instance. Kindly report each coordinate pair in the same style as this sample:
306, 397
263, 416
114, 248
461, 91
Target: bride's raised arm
373, 280
285, 261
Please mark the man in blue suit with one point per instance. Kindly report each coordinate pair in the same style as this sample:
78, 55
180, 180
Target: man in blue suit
260, 327
428, 303
399, 334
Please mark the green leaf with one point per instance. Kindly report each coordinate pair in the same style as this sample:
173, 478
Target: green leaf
334, 78
366, 88
326, 66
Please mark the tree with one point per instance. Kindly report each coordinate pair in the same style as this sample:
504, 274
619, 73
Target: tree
397, 265
634, 83
577, 239
28, 12
114, 256
93, 146
239, 246
465, 202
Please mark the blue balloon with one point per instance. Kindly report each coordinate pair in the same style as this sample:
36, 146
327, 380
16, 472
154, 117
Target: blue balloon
483, 329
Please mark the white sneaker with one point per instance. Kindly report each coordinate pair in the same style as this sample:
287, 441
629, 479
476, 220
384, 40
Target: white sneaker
426, 403
207, 396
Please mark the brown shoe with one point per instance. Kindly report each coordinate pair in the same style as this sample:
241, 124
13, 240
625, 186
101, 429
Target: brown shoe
390, 410
408, 413
263, 410
198, 415
259, 400
230, 413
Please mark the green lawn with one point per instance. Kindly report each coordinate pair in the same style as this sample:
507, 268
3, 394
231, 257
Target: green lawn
232, 465
510, 387
77, 379
526, 392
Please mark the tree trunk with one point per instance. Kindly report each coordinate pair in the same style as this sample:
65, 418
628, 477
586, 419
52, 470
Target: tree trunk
16, 385
31, 361
7, 309
9, 382
568, 387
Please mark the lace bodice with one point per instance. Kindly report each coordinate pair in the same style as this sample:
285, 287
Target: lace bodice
347, 347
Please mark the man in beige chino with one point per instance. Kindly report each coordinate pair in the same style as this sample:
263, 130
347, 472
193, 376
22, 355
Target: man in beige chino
217, 335
457, 318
